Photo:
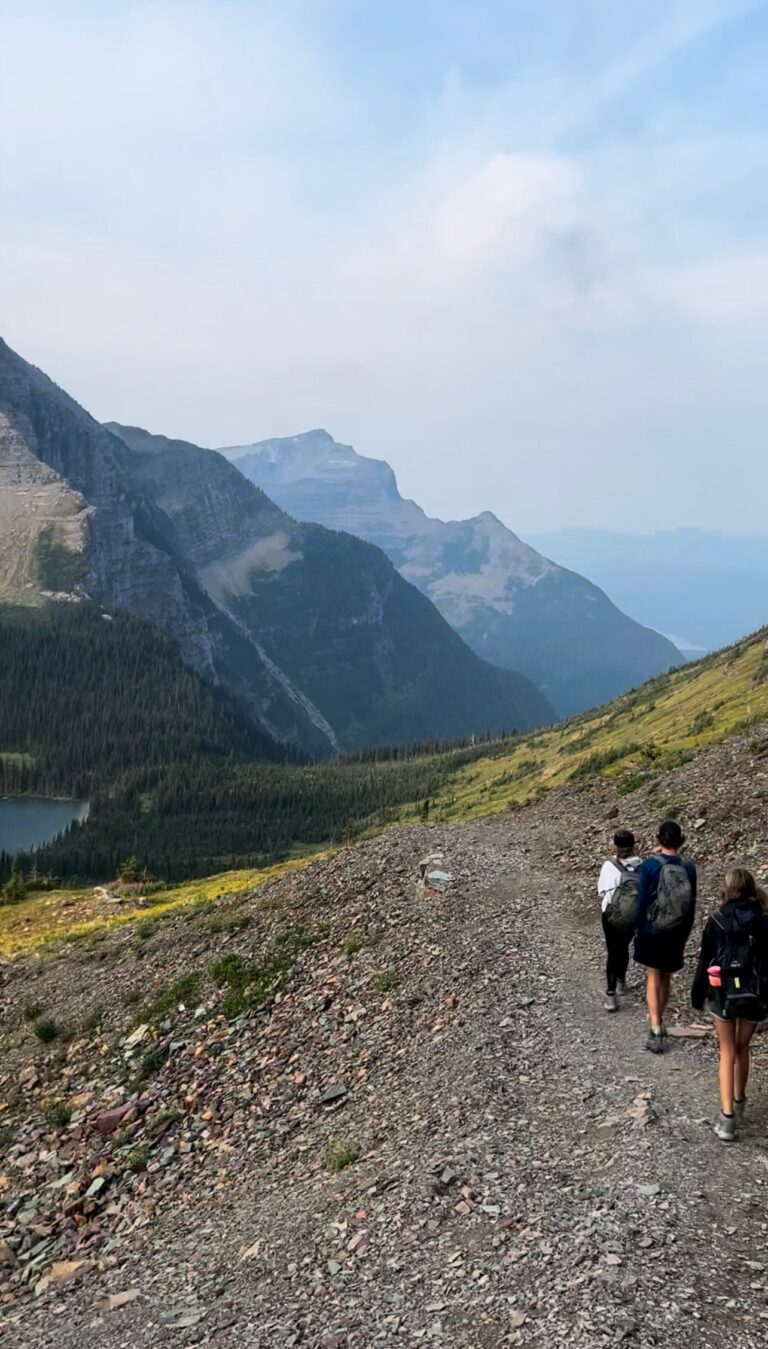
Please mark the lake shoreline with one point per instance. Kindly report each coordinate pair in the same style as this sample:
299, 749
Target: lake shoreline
29, 822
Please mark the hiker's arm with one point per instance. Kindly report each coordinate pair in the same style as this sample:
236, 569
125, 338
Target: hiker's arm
700, 985
606, 880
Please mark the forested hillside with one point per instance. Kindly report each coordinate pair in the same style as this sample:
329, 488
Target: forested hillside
177, 779
85, 698
190, 820
100, 706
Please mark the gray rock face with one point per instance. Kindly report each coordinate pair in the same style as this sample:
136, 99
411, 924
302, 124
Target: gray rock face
362, 653
314, 632
67, 524
513, 606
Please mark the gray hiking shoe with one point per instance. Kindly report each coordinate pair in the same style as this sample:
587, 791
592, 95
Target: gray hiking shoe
725, 1128
621, 987
611, 1003
654, 1042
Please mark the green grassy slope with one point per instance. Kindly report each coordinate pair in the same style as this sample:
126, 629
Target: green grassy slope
659, 725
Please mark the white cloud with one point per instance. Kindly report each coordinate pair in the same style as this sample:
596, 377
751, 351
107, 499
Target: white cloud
204, 235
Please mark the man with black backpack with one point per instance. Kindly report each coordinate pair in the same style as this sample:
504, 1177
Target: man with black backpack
618, 890
665, 912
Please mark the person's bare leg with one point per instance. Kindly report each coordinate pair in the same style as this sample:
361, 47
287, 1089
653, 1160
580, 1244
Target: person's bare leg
665, 980
744, 1032
653, 993
726, 1034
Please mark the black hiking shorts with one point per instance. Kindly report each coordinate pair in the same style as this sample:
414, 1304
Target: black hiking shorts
660, 951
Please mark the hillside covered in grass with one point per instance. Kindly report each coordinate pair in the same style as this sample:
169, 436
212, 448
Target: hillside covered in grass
659, 726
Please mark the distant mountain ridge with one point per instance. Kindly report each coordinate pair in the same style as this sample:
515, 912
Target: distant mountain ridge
315, 634
709, 587
513, 606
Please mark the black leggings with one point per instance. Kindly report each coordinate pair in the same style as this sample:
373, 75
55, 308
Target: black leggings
617, 943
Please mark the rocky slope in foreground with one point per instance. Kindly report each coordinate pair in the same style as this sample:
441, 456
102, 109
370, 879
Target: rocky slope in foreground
513, 606
428, 1132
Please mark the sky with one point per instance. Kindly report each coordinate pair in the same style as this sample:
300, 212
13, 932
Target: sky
519, 249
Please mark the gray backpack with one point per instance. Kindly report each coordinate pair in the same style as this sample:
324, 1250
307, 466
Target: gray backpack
621, 910
673, 904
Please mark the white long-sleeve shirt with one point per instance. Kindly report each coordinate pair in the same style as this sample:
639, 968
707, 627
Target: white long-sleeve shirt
610, 878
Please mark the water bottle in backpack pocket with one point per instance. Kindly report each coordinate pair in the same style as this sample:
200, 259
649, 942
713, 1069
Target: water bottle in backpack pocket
673, 906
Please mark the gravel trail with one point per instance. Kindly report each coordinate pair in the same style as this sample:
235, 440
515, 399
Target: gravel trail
528, 1174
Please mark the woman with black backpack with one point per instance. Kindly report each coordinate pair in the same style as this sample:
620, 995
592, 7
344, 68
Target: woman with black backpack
732, 978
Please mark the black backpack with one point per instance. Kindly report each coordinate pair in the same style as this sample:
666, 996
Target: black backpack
621, 910
674, 901
740, 955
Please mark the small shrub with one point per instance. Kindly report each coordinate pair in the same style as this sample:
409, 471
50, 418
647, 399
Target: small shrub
182, 990
130, 870
341, 1153
46, 1029
236, 922
92, 1022
631, 784
168, 1115
595, 763
352, 945
297, 939
701, 723
151, 1063
249, 986
57, 1113
147, 928
138, 1158
384, 980
228, 969
132, 998
32, 1011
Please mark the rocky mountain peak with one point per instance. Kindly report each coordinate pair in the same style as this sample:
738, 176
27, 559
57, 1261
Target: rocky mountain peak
315, 457
515, 608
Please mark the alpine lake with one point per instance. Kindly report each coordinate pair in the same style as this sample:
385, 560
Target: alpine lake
29, 821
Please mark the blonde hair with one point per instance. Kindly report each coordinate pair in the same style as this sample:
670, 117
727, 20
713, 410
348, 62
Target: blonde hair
741, 884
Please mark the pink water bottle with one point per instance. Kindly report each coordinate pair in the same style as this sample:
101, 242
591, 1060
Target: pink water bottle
714, 976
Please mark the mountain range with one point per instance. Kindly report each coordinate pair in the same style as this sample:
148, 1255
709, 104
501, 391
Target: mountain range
704, 589
315, 633
510, 603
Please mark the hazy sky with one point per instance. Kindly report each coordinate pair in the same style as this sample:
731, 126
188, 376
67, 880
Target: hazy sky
517, 247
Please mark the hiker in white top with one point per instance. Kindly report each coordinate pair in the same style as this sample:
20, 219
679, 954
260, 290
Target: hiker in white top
617, 886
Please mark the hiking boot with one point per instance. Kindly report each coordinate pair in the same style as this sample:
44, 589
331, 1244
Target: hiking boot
611, 1003
725, 1128
654, 1041
621, 987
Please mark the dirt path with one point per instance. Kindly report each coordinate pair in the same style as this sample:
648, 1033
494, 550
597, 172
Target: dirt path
529, 1174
